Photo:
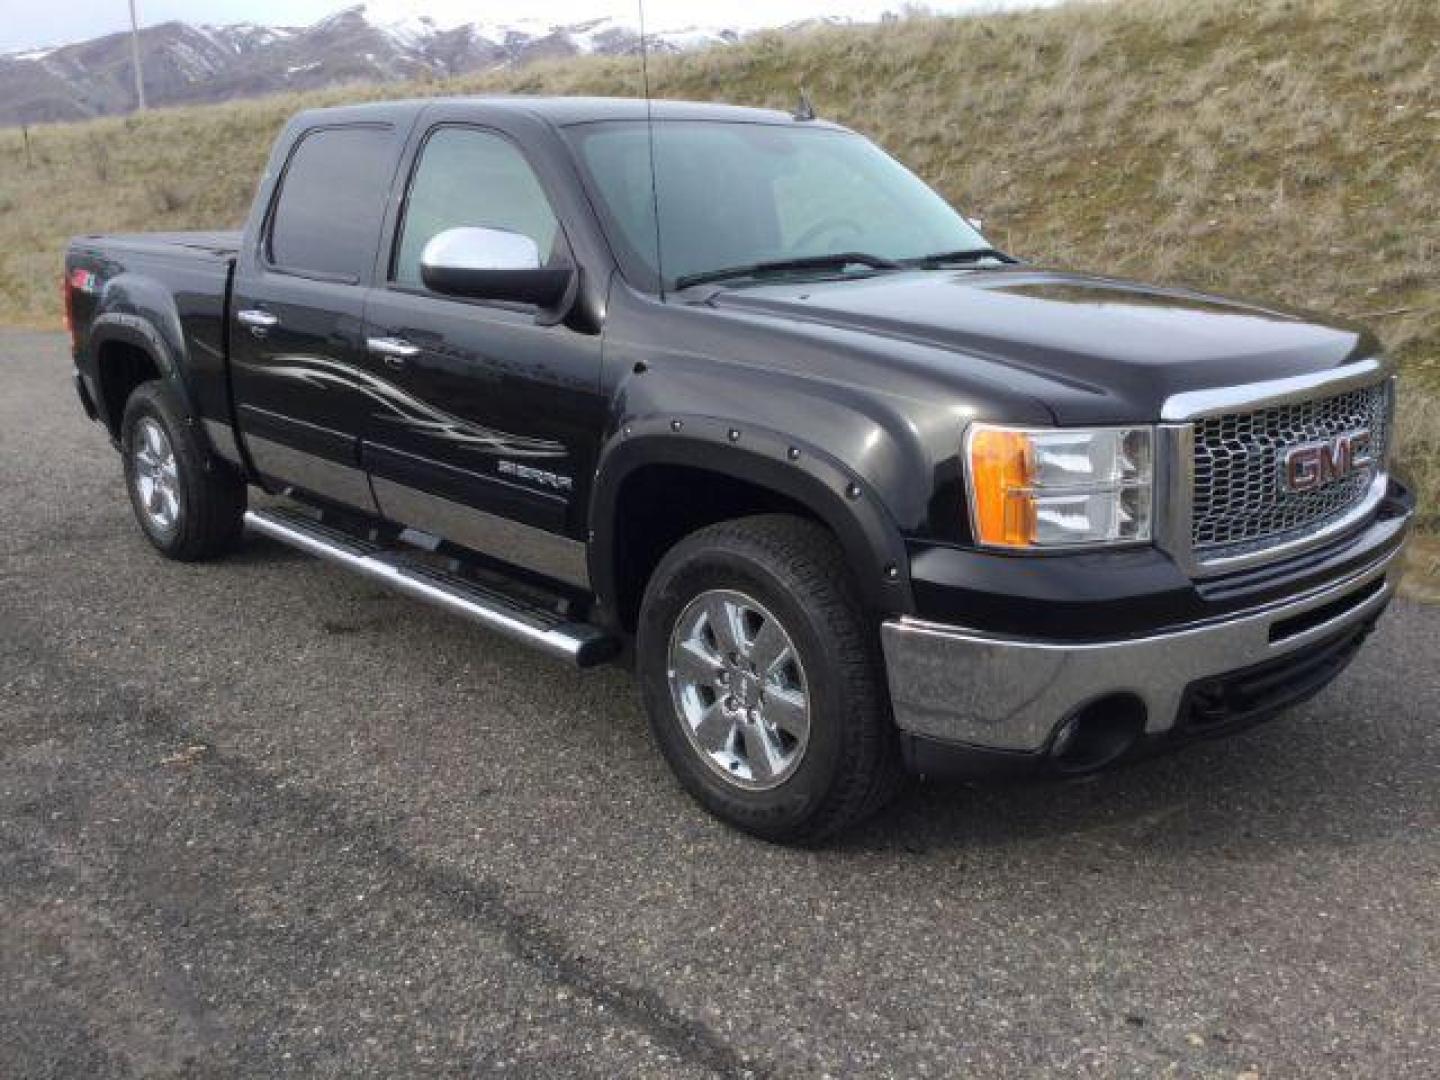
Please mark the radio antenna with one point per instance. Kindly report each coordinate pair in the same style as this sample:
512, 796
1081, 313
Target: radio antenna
650, 135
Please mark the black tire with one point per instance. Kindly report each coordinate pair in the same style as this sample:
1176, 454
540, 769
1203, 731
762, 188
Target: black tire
210, 514
850, 765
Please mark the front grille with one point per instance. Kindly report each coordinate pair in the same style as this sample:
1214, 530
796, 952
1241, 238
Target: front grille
1239, 504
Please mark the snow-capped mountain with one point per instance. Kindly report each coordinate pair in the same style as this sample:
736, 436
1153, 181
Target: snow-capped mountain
375, 41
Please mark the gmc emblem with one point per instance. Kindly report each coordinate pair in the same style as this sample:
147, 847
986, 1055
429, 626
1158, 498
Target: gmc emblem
1313, 465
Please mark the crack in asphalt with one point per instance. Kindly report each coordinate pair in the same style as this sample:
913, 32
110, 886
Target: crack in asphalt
528, 936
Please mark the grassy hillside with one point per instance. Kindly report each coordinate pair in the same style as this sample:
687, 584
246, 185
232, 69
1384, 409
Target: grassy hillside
1284, 149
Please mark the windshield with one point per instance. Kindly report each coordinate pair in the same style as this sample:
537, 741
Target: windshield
737, 194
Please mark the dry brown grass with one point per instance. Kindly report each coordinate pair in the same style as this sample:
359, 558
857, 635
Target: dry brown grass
1422, 569
1418, 452
1284, 149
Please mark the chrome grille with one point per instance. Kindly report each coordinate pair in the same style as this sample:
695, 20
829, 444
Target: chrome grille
1239, 504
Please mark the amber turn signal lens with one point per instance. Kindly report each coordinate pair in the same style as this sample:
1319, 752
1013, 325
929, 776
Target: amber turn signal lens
1052, 488
1001, 473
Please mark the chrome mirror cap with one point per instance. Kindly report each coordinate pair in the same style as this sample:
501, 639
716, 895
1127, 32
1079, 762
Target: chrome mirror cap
495, 264
480, 249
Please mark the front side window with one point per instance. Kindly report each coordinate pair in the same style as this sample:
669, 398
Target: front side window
470, 178
326, 221
735, 194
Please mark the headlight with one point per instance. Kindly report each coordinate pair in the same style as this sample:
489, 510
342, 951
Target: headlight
1054, 488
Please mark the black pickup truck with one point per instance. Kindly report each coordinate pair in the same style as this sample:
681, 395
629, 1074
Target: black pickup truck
732, 396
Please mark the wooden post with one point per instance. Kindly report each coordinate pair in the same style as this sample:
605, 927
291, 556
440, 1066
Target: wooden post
25, 134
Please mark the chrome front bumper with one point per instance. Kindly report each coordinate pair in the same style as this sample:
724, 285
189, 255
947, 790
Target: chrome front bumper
966, 687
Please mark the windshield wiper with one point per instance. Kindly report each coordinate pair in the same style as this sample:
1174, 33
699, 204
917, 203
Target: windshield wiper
780, 266
969, 255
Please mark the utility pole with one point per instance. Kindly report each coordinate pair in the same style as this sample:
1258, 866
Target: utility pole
135, 56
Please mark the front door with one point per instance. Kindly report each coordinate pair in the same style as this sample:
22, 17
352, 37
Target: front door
298, 327
487, 430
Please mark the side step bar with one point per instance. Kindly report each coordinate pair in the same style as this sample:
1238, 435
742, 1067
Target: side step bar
581, 644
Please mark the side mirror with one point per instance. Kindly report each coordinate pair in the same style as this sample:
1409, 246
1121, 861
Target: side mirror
492, 264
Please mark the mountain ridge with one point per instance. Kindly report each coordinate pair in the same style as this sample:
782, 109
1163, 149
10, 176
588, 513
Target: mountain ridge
187, 64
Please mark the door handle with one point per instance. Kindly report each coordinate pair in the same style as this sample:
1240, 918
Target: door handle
258, 321
395, 350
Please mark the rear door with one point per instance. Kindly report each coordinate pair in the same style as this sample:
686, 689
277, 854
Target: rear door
490, 426
298, 312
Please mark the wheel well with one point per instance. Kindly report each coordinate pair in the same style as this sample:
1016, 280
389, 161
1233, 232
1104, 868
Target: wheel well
121, 368
659, 505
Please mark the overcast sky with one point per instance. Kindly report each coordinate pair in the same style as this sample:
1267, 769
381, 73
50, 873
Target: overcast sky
26, 24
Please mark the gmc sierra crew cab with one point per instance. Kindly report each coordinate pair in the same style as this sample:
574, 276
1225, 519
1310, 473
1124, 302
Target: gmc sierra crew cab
732, 396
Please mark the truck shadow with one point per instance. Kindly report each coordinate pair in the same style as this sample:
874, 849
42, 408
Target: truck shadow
1354, 766
1313, 778
256, 550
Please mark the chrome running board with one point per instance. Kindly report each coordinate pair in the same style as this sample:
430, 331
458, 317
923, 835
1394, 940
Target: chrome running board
580, 643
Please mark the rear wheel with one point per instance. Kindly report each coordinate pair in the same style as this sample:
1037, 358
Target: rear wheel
189, 507
763, 679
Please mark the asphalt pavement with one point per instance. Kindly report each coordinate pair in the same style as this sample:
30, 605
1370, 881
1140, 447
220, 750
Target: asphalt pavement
260, 817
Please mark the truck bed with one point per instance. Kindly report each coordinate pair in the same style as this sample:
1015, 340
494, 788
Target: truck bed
177, 283
218, 244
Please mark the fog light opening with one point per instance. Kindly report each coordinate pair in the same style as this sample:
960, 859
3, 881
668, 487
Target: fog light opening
1097, 734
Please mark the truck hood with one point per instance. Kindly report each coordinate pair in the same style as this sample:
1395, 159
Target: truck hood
1093, 349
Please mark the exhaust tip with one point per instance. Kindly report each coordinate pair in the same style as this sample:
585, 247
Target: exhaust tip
1097, 734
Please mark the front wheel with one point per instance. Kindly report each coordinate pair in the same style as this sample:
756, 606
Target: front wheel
763, 679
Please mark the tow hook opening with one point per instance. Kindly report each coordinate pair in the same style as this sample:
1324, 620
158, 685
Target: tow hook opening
1097, 734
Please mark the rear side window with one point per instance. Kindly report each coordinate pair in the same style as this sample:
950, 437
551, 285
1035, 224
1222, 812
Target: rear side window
327, 219
472, 178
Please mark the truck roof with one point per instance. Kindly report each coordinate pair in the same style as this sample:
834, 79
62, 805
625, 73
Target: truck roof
562, 111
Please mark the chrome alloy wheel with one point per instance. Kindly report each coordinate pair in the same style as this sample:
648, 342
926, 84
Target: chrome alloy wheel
156, 476
739, 689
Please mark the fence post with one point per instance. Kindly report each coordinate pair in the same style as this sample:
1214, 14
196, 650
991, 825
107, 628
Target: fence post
25, 134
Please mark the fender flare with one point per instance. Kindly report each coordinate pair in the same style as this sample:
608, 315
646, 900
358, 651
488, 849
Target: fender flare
839, 498
133, 330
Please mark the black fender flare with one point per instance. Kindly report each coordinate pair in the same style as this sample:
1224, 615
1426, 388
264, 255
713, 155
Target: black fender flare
853, 511
140, 333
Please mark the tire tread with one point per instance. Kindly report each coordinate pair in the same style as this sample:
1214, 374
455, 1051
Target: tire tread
807, 557
214, 498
